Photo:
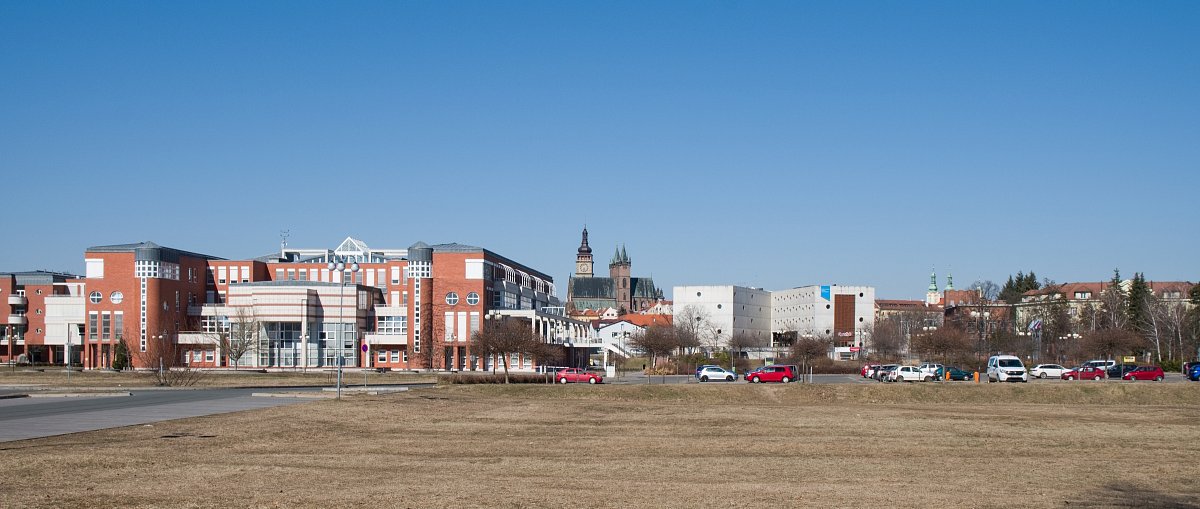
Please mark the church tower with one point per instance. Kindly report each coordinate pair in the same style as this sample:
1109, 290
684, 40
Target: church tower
618, 270
932, 298
583, 258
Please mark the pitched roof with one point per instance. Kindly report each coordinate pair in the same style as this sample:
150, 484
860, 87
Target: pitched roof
647, 320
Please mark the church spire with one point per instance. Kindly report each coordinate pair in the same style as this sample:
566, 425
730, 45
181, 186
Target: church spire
949, 281
584, 248
624, 256
933, 280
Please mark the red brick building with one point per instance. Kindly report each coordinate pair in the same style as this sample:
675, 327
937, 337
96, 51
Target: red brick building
32, 331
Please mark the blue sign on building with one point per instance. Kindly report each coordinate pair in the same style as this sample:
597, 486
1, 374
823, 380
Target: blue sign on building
825, 292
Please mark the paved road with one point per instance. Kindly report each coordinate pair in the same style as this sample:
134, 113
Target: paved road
26, 418
639, 378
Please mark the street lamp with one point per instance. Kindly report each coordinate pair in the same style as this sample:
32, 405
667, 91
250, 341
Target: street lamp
340, 267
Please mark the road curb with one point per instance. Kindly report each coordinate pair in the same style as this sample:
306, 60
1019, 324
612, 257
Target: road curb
79, 395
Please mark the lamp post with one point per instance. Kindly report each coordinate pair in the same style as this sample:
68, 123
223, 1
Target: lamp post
340, 267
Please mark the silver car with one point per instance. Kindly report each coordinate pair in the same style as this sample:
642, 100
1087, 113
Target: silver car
1048, 371
716, 374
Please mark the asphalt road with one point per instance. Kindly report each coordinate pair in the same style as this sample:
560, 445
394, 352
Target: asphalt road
25, 418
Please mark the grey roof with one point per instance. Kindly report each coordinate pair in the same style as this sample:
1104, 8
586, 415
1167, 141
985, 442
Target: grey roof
643, 287
591, 288
150, 251
454, 247
38, 277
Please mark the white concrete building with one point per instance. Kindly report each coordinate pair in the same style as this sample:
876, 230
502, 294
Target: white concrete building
729, 310
845, 314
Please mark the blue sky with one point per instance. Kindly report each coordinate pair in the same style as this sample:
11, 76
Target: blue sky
770, 144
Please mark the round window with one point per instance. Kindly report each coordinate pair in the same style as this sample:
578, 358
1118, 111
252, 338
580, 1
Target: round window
116, 297
718, 306
96, 297
472, 298
451, 298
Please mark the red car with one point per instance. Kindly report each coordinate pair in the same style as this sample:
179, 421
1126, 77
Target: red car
578, 375
1146, 373
1084, 373
774, 373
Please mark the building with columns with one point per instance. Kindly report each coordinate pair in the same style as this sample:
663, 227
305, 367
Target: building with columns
409, 308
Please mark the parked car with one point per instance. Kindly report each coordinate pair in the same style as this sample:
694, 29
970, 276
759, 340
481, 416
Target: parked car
933, 370
1119, 370
1101, 363
1047, 371
882, 373
1006, 368
907, 374
1194, 372
1084, 373
1187, 367
867, 369
716, 373
1145, 373
958, 374
702, 366
772, 373
572, 375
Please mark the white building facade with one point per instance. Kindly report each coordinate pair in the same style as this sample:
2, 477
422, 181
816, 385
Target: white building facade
844, 314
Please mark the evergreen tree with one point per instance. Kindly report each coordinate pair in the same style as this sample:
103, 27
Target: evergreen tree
1135, 302
1113, 304
121, 357
1014, 288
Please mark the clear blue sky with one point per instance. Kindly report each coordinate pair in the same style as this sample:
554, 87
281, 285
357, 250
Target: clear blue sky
771, 144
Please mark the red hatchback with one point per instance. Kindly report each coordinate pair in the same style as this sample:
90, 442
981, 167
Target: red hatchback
1146, 373
774, 373
1084, 373
578, 375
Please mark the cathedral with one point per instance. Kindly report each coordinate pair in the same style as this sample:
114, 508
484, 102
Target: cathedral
586, 291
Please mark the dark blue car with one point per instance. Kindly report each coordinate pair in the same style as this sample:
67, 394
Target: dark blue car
1194, 373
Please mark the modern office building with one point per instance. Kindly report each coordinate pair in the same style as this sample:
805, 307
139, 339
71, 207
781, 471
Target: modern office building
775, 319
411, 308
36, 316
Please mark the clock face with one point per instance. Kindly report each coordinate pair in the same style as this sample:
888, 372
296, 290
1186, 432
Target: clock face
582, 267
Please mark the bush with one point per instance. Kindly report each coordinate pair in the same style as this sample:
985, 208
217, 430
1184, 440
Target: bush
498, 378
1171, 366
121, 357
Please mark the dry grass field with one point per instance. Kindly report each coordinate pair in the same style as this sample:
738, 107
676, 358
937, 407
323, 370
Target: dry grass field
919, 445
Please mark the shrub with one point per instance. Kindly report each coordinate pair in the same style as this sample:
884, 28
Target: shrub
498, 378
1171, 365
121, 357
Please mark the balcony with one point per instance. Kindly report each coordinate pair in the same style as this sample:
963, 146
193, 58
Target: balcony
17, 300
17, 320
386, 339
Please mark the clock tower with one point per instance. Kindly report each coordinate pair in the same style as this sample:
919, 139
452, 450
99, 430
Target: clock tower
583, 257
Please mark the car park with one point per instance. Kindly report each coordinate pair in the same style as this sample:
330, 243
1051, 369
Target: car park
1047, 371
574, 375
1006, 368
1085, 373
955, 373
907, 374
1145, 373
772, 373
1119, 370
716, 373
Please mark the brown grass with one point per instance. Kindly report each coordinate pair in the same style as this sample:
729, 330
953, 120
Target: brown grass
1119, 445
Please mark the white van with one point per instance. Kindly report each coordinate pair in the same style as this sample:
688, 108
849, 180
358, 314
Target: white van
1006, 368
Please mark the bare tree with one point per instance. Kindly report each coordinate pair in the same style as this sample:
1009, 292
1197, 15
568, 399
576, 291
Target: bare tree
164, 358
739, 343
694, 328
1107, 343
239, 336
808, 349
656, 341
942, 344
887, 339
511, 336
